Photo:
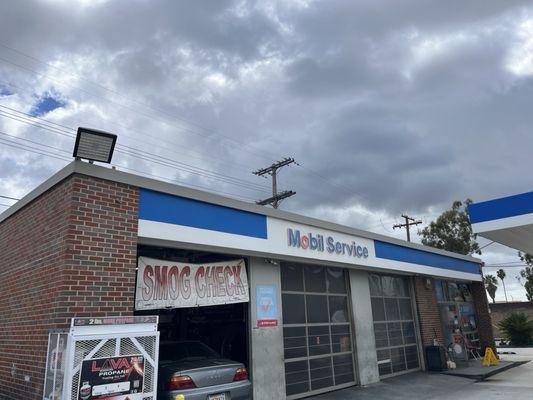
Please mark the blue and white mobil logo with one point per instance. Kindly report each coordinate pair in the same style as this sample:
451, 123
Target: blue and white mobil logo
320, 243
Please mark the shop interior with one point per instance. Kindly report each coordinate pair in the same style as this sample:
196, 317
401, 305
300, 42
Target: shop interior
224, 328
458, 315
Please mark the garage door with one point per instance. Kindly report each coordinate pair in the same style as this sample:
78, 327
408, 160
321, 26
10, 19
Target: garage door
394, 324
317, 329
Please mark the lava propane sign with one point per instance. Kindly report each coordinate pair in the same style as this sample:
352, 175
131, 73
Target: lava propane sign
168, 284
112, 378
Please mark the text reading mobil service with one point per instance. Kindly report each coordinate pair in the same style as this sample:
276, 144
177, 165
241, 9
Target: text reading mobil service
320, 243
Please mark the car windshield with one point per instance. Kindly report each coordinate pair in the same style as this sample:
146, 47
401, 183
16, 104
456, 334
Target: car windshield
186, 351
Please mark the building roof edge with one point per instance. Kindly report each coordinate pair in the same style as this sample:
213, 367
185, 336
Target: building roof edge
84, 168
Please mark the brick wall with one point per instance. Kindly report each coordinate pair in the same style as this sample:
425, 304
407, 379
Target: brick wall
71, 252
428, 310
102, 249
499, 311
32, 245
429, 316
484, 323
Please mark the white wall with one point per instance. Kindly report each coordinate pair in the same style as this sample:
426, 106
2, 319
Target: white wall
367, 363
267, 360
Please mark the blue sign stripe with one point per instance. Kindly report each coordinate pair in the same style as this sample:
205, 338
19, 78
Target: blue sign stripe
395, 252
505, 207
162, 207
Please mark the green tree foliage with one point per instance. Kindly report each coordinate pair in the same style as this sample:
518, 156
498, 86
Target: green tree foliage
501, 275
527, 274
517, 329
491, 285
452, 231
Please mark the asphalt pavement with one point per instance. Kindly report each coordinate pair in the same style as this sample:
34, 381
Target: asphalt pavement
515, 383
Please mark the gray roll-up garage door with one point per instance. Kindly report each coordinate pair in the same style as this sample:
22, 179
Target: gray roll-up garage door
317, 329
394, 324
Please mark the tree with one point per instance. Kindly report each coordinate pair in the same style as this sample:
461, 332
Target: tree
501, 275
491, 285
452, 231
527, 274
517, 328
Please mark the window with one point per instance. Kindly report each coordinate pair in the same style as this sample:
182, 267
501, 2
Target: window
457, 311
394, 326
316, 329
293, 308
292, 278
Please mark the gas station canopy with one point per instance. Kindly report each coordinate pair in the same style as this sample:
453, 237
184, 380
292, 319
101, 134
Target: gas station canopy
507, 220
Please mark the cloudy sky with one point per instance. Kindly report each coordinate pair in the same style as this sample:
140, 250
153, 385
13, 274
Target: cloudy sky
388, 106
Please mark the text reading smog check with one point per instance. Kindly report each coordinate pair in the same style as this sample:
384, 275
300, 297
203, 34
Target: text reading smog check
316, 242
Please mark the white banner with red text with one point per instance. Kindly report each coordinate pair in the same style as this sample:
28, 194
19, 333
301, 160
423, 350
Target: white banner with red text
170, 284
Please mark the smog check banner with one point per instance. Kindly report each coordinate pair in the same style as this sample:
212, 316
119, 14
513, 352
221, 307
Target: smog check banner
169, 284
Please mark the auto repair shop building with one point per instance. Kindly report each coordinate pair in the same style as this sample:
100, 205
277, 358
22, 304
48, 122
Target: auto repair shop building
309, 306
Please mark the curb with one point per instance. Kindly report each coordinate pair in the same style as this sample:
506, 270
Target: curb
482, 377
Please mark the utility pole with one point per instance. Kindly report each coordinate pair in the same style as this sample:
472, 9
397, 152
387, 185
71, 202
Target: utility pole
408, 223
273, 170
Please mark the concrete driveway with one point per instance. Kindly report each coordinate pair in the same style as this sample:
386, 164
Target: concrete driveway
515, 384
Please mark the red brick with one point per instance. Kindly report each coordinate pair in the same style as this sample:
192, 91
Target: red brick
428, 310
47, 276
484, 321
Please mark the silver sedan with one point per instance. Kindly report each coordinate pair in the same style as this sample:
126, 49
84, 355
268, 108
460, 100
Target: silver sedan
191, 370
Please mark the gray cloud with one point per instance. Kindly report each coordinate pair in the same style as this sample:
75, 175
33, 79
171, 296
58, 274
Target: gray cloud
389, 106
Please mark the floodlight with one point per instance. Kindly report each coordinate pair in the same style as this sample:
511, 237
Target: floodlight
94, 145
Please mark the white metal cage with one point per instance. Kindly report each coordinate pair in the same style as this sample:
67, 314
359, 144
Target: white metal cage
87, 341
55, 365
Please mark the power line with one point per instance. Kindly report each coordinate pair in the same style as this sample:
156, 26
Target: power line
272, 170
60, 157
383, 225
173, 164
208, 132
504, 264
156, 159
306, 169
507, 263
131, 153
381, 222
32, 149
56, 156
240, 197
67, 152
200, 156
311, 172
143, 153
8, 197
31, 141
114, 92
487, 245
28, 116
188, 130
408, 223
425, 216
